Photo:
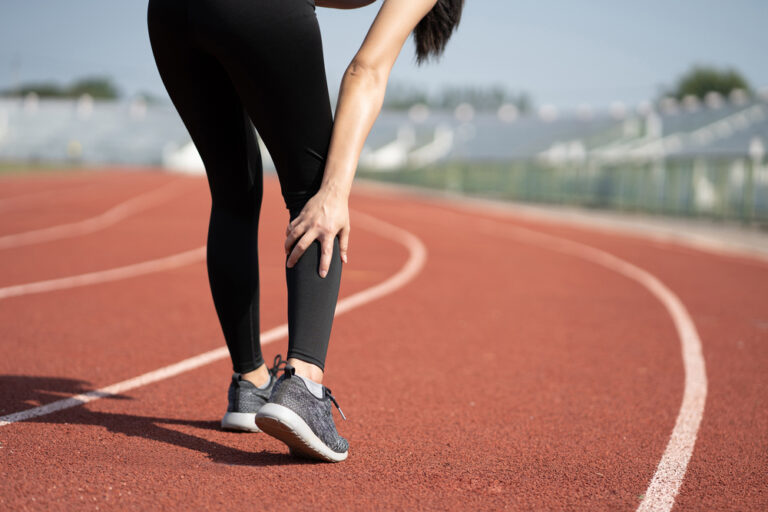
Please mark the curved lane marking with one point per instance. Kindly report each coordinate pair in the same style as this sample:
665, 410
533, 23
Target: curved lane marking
417, 256
23, 199
666, 481
102, 276
112, 216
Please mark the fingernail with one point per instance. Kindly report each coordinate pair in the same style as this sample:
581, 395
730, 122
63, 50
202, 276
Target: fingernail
323, 273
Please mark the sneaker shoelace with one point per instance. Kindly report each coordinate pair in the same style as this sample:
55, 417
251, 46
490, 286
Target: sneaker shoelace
278, 364
329, 395
290, 371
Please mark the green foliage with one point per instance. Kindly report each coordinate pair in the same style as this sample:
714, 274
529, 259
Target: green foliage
42, 89
700, 80
403, 97
97, 87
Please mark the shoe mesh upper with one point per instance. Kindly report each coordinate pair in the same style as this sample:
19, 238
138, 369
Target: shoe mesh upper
316, 412
245, 397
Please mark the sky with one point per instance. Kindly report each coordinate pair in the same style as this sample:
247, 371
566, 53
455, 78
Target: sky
561, 52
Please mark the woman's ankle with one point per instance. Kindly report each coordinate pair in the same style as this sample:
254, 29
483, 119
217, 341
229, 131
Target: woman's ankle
307, 370
258, 377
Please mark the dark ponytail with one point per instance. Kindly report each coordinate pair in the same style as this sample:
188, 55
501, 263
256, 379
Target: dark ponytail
433, 31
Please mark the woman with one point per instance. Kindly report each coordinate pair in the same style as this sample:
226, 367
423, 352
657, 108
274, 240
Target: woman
230, 66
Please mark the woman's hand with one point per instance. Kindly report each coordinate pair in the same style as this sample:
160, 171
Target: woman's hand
323, 217
361, 96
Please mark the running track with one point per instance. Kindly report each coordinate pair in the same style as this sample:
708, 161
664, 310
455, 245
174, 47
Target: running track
485, 360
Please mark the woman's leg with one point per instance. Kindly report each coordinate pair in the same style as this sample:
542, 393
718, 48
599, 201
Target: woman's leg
208, 104
273, 53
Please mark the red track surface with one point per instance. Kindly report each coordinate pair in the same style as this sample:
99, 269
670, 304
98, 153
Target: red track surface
504, 376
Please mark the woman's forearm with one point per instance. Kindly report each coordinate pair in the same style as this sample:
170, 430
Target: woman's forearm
363, 87
360, 99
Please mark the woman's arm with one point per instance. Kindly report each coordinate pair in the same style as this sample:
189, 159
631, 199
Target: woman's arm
363, 87
360, 99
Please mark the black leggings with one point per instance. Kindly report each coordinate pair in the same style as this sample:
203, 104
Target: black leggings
230, 66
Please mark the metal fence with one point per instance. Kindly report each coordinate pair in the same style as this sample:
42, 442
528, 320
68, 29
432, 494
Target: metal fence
716, 188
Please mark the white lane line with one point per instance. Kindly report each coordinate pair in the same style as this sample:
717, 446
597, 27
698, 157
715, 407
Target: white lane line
417, 255
103, 276
416, 259
666, 481
23, 199
101, 221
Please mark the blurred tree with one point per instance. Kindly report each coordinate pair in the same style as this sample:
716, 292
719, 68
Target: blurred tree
700, 80
42, 89
97, 87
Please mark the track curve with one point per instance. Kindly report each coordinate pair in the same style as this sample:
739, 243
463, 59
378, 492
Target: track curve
500, 373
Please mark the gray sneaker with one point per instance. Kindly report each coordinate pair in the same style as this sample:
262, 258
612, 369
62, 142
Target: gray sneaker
304, 422
245, 400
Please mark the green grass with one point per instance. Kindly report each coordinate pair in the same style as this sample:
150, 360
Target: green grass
25, 168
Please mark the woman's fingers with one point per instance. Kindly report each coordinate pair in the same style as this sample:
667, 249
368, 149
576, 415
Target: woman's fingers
321, 219
292, 233
344, 242
299, 248
326, 254
326, 251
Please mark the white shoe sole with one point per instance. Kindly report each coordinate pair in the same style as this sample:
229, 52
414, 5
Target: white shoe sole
244, 421
282, 423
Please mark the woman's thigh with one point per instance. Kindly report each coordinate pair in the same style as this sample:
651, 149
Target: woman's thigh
209, 106
272, 52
